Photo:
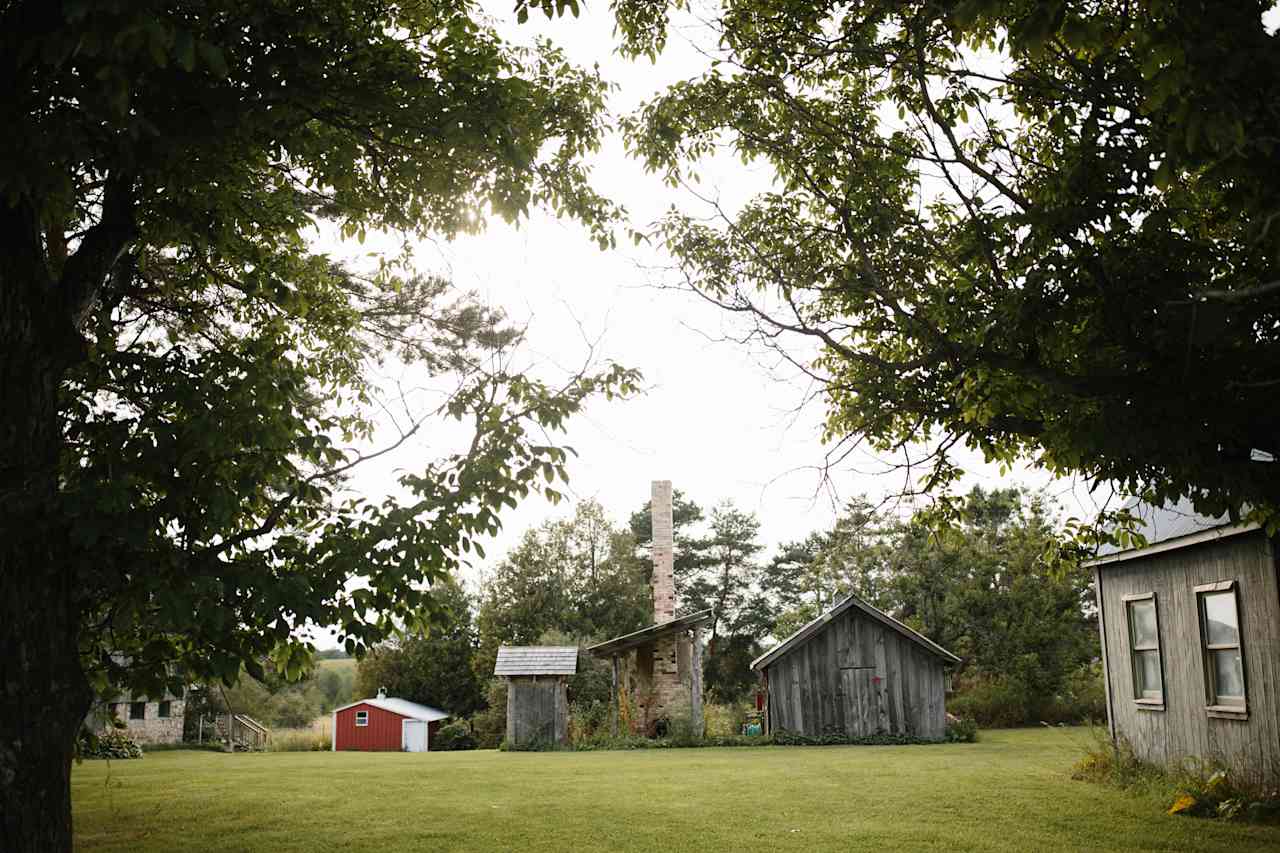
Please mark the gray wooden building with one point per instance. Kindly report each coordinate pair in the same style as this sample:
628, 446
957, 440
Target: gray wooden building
1190, 627
537, 692
857, 671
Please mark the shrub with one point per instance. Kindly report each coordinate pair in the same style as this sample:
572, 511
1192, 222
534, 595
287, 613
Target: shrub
1087, 694
587, 719
452, 737
602, 742
724, 720
489, 726
537, 744
625, 742
207, 746
836, 738
680, 729
1114, 763
1004, 701
108, 744
961, 730
991, 702
1206, 789
1194, 788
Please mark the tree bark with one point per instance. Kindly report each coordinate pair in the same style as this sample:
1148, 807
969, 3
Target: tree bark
44, 694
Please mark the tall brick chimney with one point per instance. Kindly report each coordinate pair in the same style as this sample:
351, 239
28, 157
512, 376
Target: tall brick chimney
664, 580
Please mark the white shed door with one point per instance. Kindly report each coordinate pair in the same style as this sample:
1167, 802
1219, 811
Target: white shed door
415, 735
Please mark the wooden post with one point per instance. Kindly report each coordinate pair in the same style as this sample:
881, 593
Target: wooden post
695, 681
615, 699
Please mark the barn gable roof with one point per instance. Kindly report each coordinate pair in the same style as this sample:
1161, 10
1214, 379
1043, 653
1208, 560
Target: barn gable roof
403, 707
536, 660
874, 613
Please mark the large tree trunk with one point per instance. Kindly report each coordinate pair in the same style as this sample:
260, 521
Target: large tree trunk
44, 694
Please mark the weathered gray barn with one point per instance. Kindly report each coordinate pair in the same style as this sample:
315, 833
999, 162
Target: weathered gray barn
857, 671
1190, 629
537, 692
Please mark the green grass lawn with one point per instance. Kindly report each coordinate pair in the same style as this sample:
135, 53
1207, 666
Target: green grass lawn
1010, 791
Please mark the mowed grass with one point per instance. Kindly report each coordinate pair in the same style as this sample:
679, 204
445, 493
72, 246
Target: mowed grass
1011, 791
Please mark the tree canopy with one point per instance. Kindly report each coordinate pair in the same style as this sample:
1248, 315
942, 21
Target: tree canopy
577, 577
996, 583
433, 667
184, 378
1029, 229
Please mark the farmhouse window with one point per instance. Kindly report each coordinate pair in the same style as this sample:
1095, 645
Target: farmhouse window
1144, 649
1220, 646
137, 710
362, 718
163, 710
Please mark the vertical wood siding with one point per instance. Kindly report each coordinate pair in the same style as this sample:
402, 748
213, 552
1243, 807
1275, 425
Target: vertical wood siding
1184, 728
382, 733
537, 709
858, 677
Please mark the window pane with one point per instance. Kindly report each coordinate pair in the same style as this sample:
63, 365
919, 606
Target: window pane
138, 710
1220, 620
1228, 674
1148, 667
1142, 615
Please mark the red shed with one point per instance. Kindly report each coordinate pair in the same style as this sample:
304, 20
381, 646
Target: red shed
385, 723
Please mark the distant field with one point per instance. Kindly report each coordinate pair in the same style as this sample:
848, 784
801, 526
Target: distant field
337, 663
1009, 792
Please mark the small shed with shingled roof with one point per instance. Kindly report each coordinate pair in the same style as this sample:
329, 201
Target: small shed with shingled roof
537, 692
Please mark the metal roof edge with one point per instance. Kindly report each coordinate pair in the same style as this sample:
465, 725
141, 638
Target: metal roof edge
377, 704
1211, 535
689, 619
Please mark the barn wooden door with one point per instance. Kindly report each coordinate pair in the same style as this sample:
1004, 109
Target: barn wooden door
861, 700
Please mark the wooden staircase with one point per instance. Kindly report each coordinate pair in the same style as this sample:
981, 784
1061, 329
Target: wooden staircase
240, 733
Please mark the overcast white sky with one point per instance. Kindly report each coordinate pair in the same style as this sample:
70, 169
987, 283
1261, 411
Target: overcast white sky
716, 420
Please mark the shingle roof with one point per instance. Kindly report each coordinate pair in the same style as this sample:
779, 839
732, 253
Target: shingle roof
536, 660
874, 612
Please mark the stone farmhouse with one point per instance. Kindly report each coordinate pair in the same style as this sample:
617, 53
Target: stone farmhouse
146, 720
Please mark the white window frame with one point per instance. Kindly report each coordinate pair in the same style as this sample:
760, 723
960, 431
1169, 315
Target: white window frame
362, 719
1214, 704
1140, 697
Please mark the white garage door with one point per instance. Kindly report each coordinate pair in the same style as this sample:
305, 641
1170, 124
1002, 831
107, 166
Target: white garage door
415, 735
